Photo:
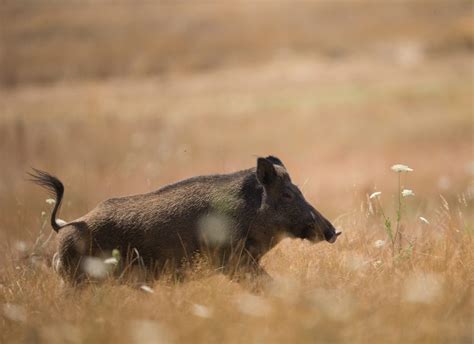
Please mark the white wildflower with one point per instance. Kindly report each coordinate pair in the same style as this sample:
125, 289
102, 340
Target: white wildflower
336, 305
148, 332
147, 289
379, 243
51, 201
253, 305
423, 287
375, 194
425, 221
111, 261
401, 168
43, 214
285, 288
201, 311
407, 192
21, 246
377, 263
95, 267
14, 312
215, 229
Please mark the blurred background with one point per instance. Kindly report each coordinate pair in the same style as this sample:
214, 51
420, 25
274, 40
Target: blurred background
122, 97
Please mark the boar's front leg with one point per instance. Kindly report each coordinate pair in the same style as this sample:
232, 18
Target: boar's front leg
249, 272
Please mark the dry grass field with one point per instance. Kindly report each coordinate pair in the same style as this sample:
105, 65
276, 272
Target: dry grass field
118, 98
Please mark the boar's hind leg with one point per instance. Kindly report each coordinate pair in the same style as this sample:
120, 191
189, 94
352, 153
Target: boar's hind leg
71, 252
70, 266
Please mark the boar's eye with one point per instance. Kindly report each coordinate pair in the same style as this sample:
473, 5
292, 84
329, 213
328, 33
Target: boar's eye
287, 196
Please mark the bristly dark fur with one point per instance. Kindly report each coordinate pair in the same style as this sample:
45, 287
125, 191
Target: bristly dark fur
54, 186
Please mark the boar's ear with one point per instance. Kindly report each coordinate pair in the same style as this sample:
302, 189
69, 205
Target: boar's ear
266, 173
275, 160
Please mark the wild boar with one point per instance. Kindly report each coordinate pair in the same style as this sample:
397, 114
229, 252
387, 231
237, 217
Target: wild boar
240, 214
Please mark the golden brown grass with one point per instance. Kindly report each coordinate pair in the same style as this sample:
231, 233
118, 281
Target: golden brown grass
339, 107
351, 291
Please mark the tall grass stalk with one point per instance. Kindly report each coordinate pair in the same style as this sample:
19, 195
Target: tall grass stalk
398, 235
395, 239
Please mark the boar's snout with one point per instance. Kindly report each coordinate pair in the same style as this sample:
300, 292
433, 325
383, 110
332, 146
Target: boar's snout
331, 236
325, 228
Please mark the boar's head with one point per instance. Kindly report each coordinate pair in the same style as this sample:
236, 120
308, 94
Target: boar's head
284, 207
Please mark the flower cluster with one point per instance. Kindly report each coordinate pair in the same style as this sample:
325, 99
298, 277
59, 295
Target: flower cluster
394, 233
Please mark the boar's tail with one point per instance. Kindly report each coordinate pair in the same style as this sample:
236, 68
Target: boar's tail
54, 186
